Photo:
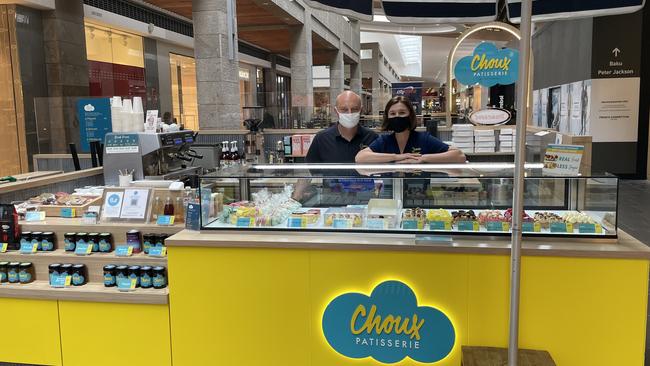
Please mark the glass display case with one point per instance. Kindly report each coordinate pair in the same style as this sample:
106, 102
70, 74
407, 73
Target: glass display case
442, 199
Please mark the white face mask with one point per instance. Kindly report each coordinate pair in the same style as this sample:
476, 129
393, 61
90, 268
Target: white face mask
349, 120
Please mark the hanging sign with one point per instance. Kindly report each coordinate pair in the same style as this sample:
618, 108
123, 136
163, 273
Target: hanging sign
490, 117
388, 326
488, 66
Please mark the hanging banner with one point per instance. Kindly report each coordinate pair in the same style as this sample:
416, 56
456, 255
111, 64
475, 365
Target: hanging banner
488, 66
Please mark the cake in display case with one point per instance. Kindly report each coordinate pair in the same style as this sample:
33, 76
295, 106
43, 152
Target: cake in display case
459, 199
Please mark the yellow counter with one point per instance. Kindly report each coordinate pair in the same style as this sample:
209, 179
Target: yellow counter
250, 299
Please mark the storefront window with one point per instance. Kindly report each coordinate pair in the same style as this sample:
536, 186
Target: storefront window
184, 100
115, 62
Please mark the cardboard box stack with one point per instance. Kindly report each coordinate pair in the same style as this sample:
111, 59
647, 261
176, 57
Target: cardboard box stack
507, 140
462, 136
484, 141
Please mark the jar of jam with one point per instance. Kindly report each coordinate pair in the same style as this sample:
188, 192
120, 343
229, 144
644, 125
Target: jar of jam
12, 272
148, 241
26, 273
36, 239
25, 238
79, 275
65, 270
159, 277
160, 240
134, 274
133, 240
93, 240
109, 276
146, 277
82, 238
70, 240
47, 241
105, 243
54, 271
3, 271
121, 273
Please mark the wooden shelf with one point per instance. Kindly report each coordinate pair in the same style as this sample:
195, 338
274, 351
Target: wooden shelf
91, 292
61, 256
76, 224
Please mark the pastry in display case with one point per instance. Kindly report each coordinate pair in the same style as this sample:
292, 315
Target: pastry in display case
407, 200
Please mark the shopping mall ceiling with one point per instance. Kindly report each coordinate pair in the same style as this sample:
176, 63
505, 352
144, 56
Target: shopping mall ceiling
260, 23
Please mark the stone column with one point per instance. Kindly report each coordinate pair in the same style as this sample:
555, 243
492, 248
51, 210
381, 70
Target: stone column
337, 78
377, 95
217, 66
66, 65
271, 89
355, 78
302, 78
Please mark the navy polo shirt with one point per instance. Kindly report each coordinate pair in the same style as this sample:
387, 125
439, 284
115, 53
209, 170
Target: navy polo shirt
329, 147
418, 142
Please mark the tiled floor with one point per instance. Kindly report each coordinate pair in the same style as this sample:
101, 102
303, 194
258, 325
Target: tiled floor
634, 218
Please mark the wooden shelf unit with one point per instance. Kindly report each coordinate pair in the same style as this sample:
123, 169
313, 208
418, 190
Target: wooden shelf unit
90, 292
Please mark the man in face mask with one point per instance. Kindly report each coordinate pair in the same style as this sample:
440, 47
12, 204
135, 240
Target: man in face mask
341, 142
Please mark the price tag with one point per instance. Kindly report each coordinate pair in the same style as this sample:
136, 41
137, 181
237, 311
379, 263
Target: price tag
376, 224
83, 249
68, 212
590, 228
497, 226
60, 281
530, 227
28, 248
158, 251
561, 227
126, 284
124, 251
34, 216
245, 222
342, 223
440, 225
297, 222
468, 225
3, 247
165, 220
410, 225
89, 218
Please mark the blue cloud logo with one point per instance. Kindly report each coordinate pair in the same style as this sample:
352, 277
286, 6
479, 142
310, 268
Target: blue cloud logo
488, 66
388, 326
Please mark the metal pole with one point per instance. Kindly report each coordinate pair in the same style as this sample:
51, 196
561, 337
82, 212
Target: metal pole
520, 158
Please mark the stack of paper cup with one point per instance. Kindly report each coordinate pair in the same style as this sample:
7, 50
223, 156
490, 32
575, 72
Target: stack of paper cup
127, 115
116, 114
138, 115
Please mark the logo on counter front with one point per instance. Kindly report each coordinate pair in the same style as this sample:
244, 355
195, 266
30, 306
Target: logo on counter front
488, 66
388, 326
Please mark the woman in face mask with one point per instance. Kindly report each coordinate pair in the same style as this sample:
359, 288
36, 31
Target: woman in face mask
406, 145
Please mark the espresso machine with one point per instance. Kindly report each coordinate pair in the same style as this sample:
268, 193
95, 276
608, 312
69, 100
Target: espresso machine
150, 156
254, 139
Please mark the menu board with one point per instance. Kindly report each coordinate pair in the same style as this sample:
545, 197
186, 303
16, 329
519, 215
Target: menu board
563, 159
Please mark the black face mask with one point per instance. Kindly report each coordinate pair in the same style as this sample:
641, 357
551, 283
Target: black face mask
399, 124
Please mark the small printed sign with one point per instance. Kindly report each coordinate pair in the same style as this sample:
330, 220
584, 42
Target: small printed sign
376, 224
468, 225
83, 249
563, 159
410, 225
342, 224
68, 212
126, 284
192, 216
440, 225
60, 281
561, 227
124, 251
531, 227
28, 248
297, 222
34, 216
165, 220
3, 247
245, 222
497, 226
158, 251
590, 229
